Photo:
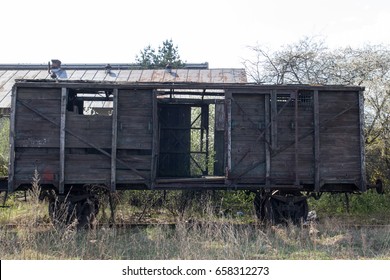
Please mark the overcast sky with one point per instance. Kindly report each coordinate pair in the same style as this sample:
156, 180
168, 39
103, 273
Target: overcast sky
114, 31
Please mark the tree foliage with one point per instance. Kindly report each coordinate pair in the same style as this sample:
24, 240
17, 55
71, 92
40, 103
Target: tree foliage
310, 61
167, 54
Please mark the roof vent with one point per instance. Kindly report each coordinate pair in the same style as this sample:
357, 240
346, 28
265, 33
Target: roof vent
54, 68
168, 68
55, 64
108, 68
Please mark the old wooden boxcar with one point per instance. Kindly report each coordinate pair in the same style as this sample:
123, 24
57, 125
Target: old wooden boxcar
283, 142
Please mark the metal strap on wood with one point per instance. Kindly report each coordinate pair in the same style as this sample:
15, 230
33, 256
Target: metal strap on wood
61, 183
135, 171
11, 167
282, 149
114, 139
316, 141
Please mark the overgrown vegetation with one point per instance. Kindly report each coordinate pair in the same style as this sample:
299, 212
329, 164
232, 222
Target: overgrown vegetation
210, 237
210, 225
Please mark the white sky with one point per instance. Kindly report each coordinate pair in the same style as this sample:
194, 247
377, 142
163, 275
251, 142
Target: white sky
114, 31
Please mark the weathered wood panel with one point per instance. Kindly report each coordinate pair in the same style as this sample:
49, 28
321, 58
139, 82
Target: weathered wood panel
339, 136
135, 119
96, 168
93, 129
44, 160
247, 136
91, 168
31, 128
331, 154
290, 162
39, 94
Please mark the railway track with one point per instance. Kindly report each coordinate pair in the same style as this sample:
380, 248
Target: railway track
173, 225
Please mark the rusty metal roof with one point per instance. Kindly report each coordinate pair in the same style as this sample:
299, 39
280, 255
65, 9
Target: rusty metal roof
193, 73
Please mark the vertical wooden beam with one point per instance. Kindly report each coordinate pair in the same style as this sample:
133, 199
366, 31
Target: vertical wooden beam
114, 138
205, 126
155, 141
228, 112
61, 183
267, 137
296, 139
316, 141
11, 167
363, 183
274, 120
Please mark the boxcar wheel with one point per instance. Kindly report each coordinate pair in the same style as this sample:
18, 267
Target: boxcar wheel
86, 212
279, 208
259, 206
265, 208
289, 208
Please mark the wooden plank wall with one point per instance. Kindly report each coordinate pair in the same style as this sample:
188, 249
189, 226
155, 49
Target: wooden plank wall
339, 138
330, 154
283, 153
37, 140
248, 121
334, 157
135, 133
134, 142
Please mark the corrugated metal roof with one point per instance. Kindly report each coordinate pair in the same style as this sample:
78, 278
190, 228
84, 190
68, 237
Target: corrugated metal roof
119, 73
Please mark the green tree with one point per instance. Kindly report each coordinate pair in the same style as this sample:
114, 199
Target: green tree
167, 54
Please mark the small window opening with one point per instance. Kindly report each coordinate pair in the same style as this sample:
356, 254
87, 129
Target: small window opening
305, 99
87, 102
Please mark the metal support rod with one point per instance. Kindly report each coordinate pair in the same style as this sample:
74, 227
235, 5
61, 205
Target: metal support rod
61, 183
267, 104
114, 139
228, 122
205, 126
12, 134
296, 140
155, 142
316, 141
274, 121
363, 183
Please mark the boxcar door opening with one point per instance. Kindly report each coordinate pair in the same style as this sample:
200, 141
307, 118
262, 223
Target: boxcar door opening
184, 140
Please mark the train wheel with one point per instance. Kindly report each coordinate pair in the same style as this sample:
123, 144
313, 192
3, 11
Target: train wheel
86, 212
279, 207
290, 207
264, 208
259, 206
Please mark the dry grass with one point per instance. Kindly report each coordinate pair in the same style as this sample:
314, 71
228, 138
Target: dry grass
33, 237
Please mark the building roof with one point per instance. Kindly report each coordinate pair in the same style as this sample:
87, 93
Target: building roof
124, 73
